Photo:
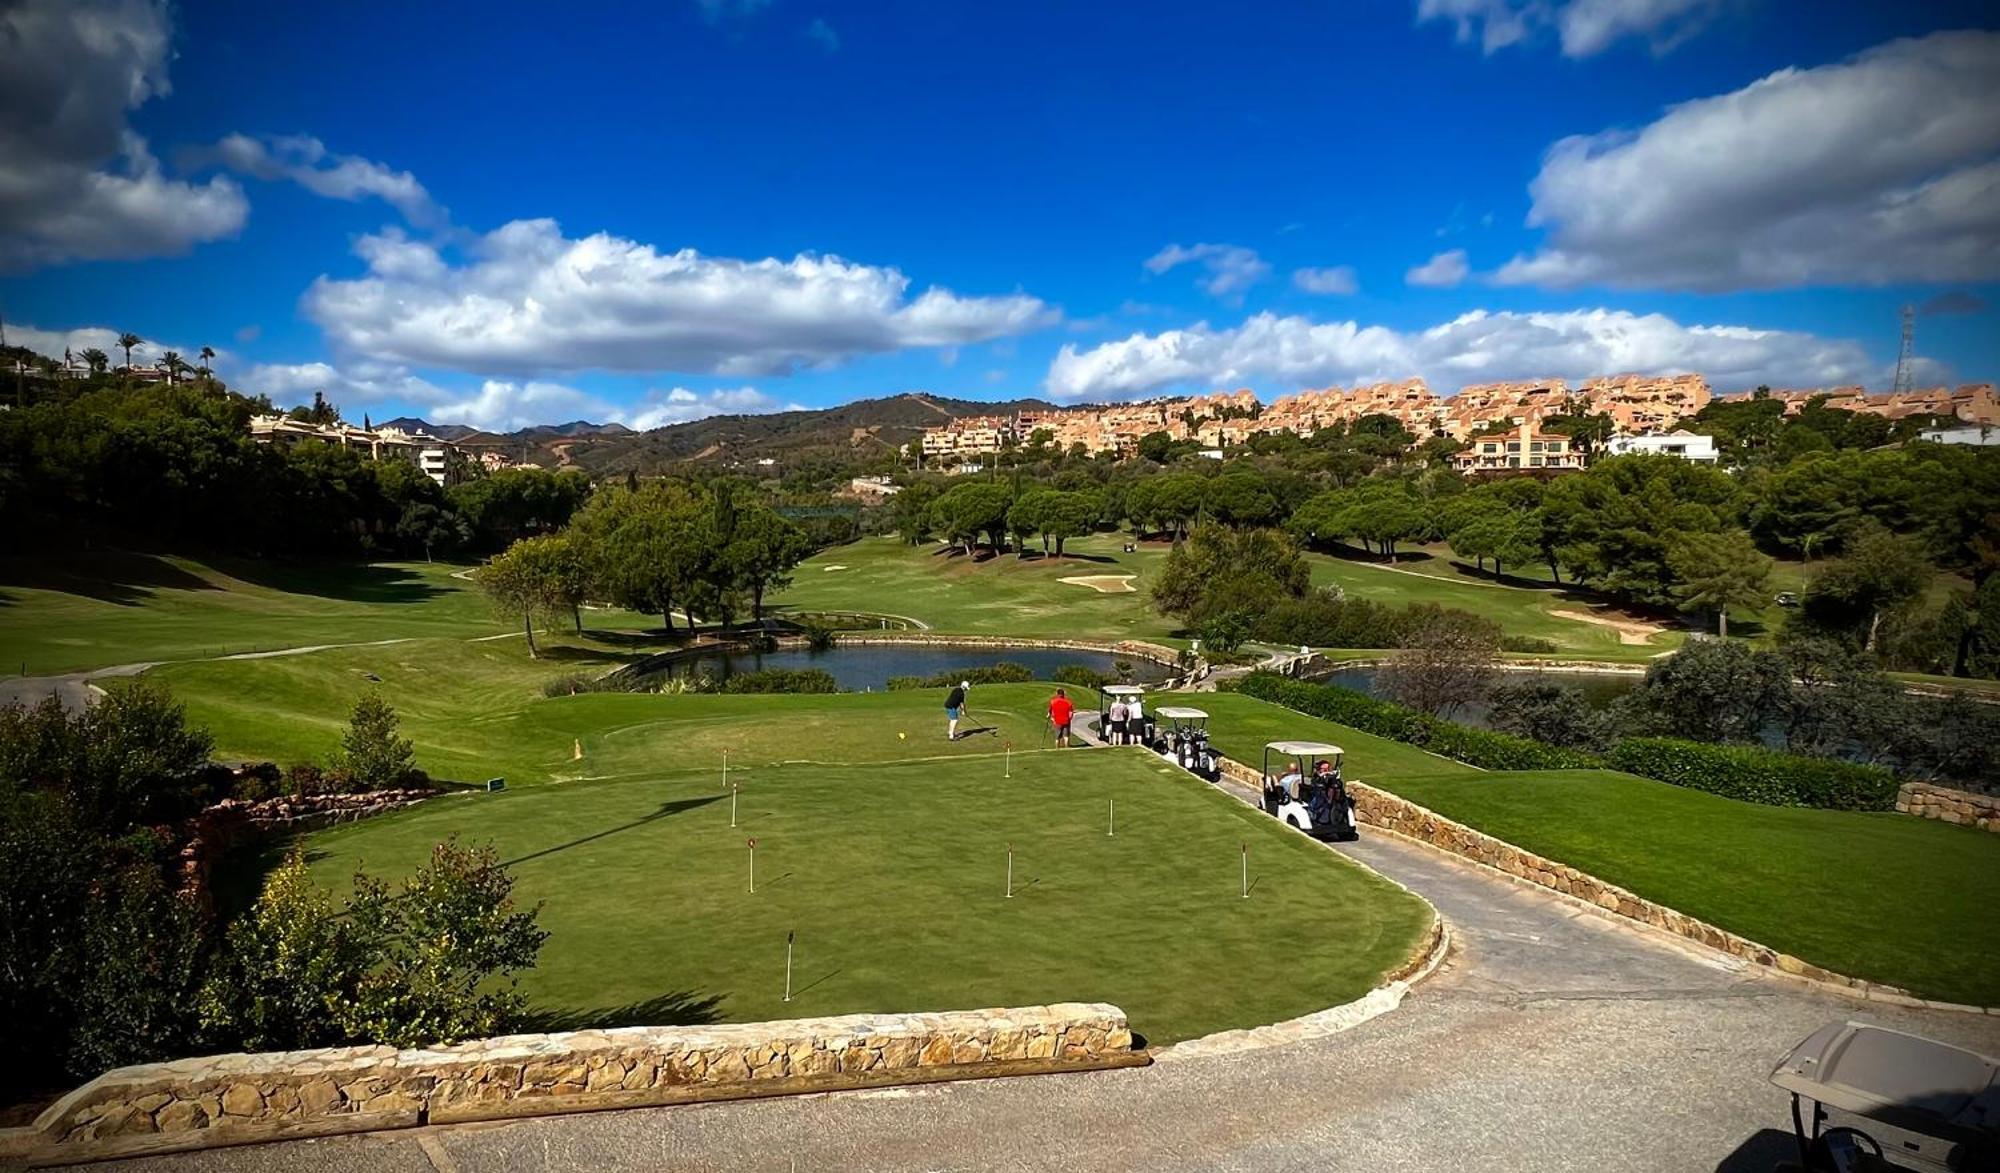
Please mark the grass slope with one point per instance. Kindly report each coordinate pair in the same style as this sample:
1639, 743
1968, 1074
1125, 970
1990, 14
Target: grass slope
476, 710
893, 875
1873, 895
1013, 596
1003, 595
96, 610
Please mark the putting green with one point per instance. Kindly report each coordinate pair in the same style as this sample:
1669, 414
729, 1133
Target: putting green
894, 877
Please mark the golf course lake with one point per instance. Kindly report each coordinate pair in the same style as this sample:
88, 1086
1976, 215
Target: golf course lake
870, 667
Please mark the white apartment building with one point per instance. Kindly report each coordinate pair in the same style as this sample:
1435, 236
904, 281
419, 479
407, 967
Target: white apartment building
430, 454
1686, 445
1984, 437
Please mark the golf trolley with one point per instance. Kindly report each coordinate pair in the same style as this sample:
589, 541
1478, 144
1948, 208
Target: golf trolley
1134, 734
1316, 803
1186, 742
1904, 1102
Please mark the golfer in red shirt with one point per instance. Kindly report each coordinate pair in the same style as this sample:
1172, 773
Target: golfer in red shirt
1060, 712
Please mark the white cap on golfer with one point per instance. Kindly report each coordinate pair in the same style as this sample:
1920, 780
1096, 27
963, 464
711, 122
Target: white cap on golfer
965, 684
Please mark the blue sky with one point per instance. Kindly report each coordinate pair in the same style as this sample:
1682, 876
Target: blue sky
479, 212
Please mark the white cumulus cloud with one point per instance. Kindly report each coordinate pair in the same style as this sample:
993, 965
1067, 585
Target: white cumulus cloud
1583, 28
304, 160
1440, 272
1880, 169
680, 405
1339, 280
52, 344
1232, 269
76, 182
497, 405
527, 299
1475, 347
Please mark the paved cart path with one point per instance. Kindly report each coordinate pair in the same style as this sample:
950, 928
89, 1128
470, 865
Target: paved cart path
1554, 1038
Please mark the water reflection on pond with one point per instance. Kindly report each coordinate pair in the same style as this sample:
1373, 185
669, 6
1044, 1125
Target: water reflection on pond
869, 668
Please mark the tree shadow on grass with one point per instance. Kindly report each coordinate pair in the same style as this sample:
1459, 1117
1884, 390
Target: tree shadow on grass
574, 654
109, 576
666, 810
349, 582
680, 1008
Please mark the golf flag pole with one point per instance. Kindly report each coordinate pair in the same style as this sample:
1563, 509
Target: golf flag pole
1111, 828
788, 963
1010, 871
753, 866
725, 773
1246, 870
732, 803
1007, 761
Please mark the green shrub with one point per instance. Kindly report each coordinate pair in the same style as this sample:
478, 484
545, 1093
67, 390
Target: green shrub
1005, 672
1758, 775
371, 754
767, 680
1527, 643
258, 781
1082, 675
1478, 747
434, 963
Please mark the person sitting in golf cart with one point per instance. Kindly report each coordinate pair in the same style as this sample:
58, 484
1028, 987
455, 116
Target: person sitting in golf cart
1289, 782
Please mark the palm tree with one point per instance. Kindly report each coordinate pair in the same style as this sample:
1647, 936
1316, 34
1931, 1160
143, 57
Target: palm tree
128, 340
207, 357
96, 360
173, 362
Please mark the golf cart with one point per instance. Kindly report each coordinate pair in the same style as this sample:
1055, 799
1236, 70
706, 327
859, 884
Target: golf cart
1110, 694
1186, 742
1314, 803
1904, 1102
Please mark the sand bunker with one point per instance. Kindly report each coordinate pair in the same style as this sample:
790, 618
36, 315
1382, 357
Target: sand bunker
1630, 631
833, 568
1104, 584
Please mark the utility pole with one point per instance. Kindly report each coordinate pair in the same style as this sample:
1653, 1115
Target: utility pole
1905, 376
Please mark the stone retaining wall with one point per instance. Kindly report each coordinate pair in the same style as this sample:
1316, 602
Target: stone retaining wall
1379, 808
1947, 805
235, 1099
218, 830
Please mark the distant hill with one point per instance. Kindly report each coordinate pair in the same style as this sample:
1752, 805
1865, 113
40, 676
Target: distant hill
867, 426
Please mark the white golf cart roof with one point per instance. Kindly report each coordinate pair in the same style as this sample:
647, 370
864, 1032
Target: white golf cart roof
1301, 748
1123, 690
1175, 713
1902, 1079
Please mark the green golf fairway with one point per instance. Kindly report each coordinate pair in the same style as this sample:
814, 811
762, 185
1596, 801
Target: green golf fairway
476, 711
894, 878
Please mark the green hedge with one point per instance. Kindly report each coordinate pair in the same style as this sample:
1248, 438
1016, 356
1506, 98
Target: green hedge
1358, 710
1733, 771
1005, 672
780, 680
1758, 775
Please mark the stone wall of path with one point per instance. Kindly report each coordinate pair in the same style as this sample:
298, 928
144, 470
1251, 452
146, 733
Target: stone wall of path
230, 1099
1951, 806
1378, 808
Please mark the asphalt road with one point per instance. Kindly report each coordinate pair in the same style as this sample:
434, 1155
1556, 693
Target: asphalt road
1553, 1039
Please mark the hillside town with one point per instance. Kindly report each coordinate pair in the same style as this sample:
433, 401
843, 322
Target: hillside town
1636, 405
